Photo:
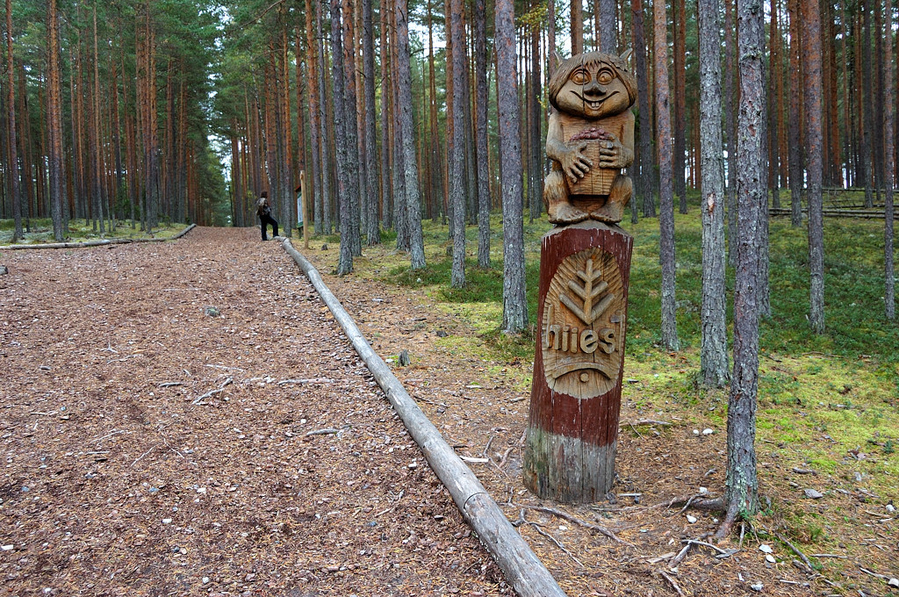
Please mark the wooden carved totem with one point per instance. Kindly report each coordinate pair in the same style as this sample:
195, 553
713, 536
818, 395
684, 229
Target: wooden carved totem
584, 275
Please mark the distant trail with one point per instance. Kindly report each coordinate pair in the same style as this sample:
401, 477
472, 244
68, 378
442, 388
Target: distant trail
142, 410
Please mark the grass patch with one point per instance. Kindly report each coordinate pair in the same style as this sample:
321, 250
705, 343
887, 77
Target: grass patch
40, 231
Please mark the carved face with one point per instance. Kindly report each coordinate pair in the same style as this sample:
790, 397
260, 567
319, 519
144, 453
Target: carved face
592, 85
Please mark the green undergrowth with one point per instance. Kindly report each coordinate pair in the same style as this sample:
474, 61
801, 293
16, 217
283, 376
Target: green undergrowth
828, 403
40, 231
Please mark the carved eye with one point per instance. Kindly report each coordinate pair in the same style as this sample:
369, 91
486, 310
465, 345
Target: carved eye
605, 76
579, 77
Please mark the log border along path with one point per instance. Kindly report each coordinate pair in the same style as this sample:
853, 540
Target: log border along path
523, 570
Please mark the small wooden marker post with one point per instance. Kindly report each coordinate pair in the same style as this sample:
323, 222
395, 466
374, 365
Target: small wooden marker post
584, 274
576, 392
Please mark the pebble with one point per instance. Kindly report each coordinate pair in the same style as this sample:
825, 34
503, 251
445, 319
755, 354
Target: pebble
765, 548
890, 508
7, 547
894, 582
813, 494
757, 586
708, 431
691, 519
166, 521
770, 559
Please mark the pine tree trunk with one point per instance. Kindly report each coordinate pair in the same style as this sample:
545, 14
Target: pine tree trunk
795, 116
410, 165
387, 161
774, 104
889, 168
607, 26
480, 56
730, 108
577, 27
741, 494
645, 174
373, 229
812, 86
323, 119
344, 174
515, 308
12, 169
867, 103
713, 359
680, 104
457, 186
666, 191
54, 112
350, 229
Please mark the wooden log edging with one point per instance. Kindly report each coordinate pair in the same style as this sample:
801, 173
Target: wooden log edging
97, 243
522, 569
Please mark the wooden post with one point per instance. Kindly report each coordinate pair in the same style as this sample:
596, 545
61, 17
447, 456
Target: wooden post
576, 391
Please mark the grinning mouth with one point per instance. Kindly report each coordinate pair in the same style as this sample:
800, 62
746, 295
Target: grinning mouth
593, 104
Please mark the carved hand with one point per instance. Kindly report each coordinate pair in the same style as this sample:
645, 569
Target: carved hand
574, 163
612, 154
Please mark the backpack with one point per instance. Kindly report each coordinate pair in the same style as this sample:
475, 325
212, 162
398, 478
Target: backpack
262, 207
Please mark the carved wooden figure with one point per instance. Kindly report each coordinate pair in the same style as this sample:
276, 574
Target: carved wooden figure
584, 276
590, 139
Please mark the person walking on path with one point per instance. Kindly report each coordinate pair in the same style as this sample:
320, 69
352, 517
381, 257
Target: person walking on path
264, 210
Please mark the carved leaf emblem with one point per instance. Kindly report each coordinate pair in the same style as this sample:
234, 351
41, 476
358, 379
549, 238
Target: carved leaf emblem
588, 291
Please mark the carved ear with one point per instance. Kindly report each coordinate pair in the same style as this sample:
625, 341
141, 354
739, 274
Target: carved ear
558, 57
626, 56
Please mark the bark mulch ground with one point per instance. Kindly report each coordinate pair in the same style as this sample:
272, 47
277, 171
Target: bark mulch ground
187, 419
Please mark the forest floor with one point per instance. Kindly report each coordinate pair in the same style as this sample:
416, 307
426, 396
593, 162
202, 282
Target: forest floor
187, 418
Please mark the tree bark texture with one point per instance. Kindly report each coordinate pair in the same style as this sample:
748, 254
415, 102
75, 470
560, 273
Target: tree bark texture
889, 169
515, 306
12, 144
741, 494
795, 131
344, 175
646, 175
713, 357
666, 191
576, 390
54, 125
812, 87
410, 163
680, 104
608, 26
457, 183
577, 27
372, 220
481, 66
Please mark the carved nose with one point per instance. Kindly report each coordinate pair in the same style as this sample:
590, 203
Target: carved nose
595, 89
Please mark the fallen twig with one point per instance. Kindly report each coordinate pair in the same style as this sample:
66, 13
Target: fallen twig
645, 422
673, 584
139, 458
786, 542
554, 540
114, 432
395, 502
579, 522
326, 431
302, 381
828, 555
680, 556
213, 392
874, 574
704, 544
169, 384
